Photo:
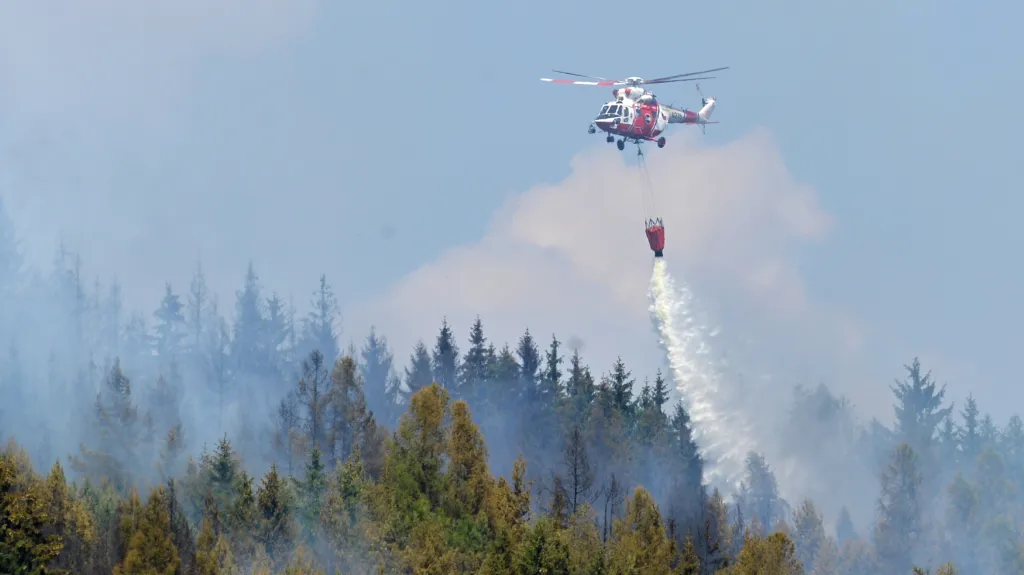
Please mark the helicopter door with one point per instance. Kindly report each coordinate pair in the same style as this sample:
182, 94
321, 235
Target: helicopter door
633, 120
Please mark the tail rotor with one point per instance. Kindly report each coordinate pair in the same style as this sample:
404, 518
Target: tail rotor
707, 105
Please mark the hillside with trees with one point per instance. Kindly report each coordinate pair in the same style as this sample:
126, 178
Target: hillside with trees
179, 442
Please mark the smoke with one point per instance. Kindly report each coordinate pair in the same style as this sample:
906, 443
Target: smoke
720, 432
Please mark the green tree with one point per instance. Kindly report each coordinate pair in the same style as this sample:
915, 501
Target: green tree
420, 373
919, 408
445, 359
899, 532
151, 549
544, 550
639, 543
311, 491
25, 547
275, 529
808, 533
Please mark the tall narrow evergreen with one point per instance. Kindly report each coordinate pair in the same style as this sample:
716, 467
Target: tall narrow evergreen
378, 372
319, 332
473, 371
247, 347
445, 359
529, 366
170, 326
919, 408
622, 387
420, 373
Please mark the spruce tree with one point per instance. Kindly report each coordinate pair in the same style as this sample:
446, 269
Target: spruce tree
319, 331
529, 368
899, 532
420, 373
170, 326
919, 408
377, 370
151, 548
445, 359
622, 388
473, 371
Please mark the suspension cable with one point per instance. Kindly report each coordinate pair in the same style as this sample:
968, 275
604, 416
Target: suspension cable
649, 199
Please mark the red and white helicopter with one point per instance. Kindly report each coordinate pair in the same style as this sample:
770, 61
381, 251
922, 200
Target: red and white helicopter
635, 113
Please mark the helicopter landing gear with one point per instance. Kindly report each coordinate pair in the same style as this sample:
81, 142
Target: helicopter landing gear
661, 142
610, 139
591, 129
621, 144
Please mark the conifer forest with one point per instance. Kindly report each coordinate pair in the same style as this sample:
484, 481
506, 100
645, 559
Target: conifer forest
174, 441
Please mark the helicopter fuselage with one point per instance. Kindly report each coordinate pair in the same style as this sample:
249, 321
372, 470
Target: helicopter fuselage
643, 119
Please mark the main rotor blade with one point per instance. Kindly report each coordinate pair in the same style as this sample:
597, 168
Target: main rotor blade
680, 80
578, 75
663, 79
582, 83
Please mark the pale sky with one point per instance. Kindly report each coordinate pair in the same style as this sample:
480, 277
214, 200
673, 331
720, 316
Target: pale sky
855, 207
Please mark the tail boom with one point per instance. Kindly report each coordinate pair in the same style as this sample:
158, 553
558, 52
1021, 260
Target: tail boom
690, 117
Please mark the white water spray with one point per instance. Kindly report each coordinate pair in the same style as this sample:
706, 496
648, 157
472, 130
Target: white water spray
721, 434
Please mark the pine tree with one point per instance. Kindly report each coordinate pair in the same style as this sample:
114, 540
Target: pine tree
579, 389
504, 374
277, 332
319, 330
216, 360
165, 400
468, 479
247, 347
352, 426
68, 519
686, 452
552, 379
312, 491
808, 533
639, 543
151, 548
170, 326
287, 424
659, 394
473, 371
378, 373
224, 470
970, 438
1012, 446
899, 531
120, 433
313, 393
136, 340
622, 388
919, 409
276, 528
198, 308
24, 545
445, 359
759, 493
419, 374
543, 551
529, 368
578, 471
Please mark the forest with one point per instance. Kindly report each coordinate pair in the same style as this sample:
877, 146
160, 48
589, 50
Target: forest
176, 441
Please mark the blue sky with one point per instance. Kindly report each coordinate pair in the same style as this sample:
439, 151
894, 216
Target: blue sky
367, 140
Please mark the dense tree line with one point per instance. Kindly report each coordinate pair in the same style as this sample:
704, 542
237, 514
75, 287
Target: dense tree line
199, 445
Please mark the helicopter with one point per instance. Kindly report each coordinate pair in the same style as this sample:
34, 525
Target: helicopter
635, 114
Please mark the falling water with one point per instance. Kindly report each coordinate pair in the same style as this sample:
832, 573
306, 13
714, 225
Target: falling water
720, 432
